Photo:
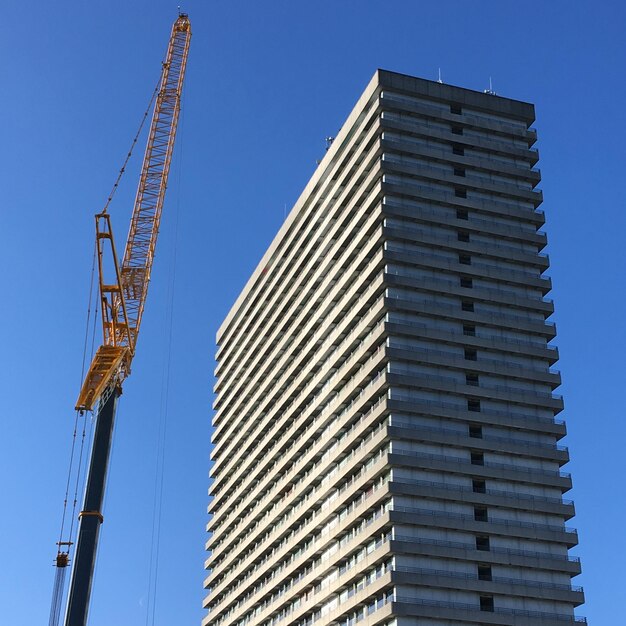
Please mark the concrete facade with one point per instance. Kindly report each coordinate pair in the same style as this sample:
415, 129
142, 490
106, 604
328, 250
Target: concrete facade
385, 447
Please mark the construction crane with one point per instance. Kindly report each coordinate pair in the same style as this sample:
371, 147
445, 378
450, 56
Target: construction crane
123, 288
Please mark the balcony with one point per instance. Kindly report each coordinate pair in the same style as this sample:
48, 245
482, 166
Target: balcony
489, 342
491, 416
487, 470
396, 207
493, 497
406, 544
497, 584
457, 610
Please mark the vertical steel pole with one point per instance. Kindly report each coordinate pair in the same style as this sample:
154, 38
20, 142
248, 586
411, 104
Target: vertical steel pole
91, 515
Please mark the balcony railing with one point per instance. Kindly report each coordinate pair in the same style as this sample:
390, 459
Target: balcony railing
494, 550
491, 164
490, 520
531, 471
572, 619
494, 579
446, 285
458, 407
456, 433
490, 492
461, 387
506, 340
390, 201
451, 311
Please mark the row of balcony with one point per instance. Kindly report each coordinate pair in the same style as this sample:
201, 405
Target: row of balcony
392, 98
537, 349
396, 206
489, 144
463, 609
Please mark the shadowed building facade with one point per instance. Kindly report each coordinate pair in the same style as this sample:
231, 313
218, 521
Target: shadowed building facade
385, 443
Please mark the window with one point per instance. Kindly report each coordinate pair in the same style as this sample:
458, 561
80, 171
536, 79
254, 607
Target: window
467, 282
479, 486
471, 354
486, 603
460, 193
465, 259
466, 305
469, 329
462, 235
475, 430
480, 514
471, 379
474, 406
458, 149
484, 572
457, 130
462, 214
477, 458
459, 171
456, 109
482, 543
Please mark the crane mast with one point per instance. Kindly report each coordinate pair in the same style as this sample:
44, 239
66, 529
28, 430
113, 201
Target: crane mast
123, 289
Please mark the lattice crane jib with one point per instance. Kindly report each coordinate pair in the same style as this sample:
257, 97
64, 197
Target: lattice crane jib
123, 286
123, 298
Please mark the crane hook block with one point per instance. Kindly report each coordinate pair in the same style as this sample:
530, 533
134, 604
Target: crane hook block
62, 560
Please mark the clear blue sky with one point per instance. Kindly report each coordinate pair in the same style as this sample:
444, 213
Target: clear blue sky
267, 81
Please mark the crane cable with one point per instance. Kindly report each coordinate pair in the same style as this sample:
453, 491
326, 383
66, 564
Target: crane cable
62, 560
81, 470
84, 361
82, 374
132, 146
157, 508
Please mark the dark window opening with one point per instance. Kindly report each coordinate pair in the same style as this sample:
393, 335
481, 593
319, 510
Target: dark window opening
466, 305
465, 259
456, 109
459, 171
484, 572
475, 430
470, 354
480, 514
486, 603
457, 130
462, 214
470, 330
473, 405
458, 149
460, 193
482, 543
468, 283
479, 486
463, 235
477, 458
471, 379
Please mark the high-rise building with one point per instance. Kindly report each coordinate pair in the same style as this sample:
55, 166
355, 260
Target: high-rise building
385, 443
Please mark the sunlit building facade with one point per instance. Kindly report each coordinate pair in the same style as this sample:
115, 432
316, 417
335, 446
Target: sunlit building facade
386, 449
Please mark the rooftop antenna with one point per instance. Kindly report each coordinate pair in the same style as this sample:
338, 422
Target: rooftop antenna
439, 79
329, 142
490, 91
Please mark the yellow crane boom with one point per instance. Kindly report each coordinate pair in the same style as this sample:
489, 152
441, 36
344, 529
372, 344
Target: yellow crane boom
123, 299
123, 287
